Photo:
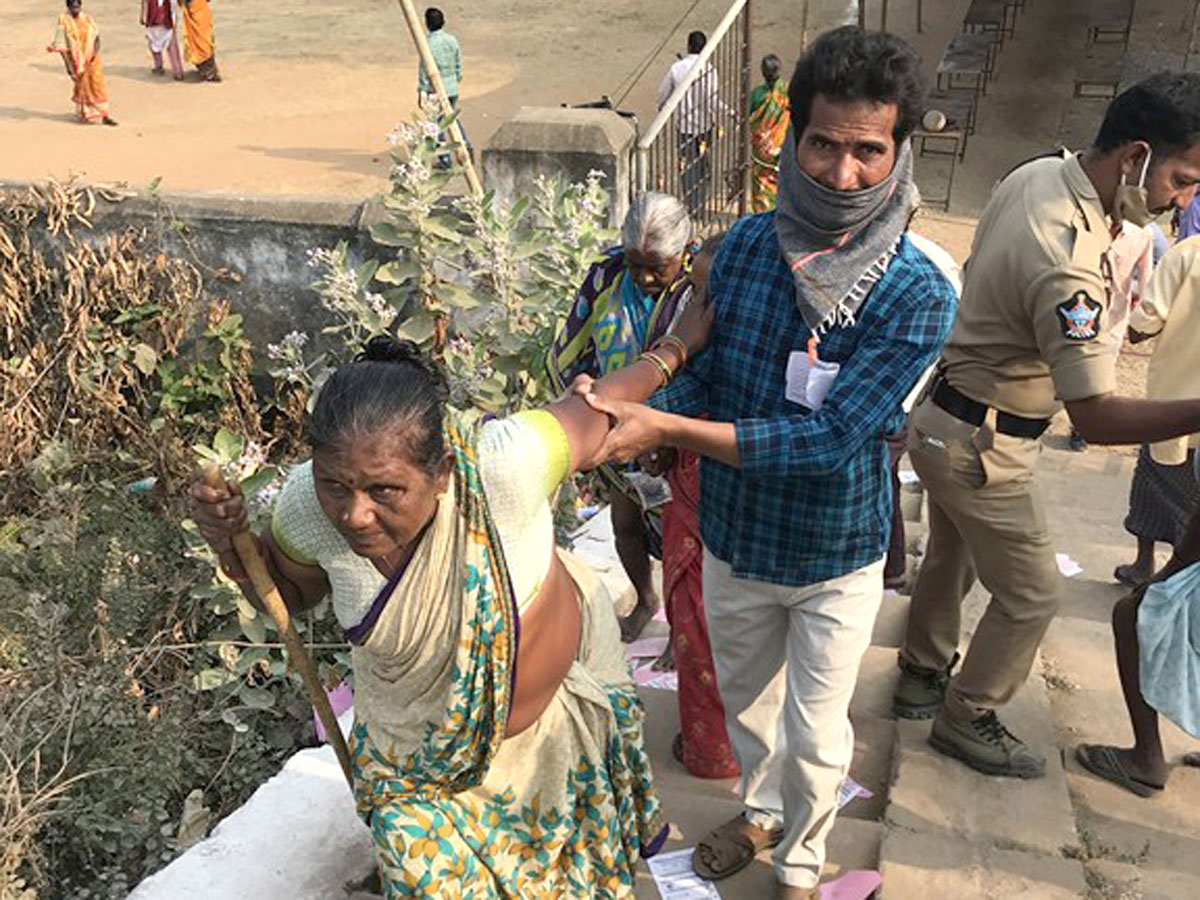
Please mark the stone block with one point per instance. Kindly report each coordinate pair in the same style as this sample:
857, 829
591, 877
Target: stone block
874, 745
891, 621
935, 794
877, 678
920, 864
912, 504
558, 140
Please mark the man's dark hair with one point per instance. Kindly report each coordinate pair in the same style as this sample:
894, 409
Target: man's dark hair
770, 68
696, 41
848, 63
1163, 111
434, 19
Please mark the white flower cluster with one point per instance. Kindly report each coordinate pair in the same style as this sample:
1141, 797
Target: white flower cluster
290, 347
264, 498
379, 305
253, 458
402, 135
412, 173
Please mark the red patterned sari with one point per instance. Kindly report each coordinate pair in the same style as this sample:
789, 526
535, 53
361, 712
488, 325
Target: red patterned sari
706, 749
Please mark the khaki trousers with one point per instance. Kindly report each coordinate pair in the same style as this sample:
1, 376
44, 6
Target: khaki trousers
985, 521
787, 659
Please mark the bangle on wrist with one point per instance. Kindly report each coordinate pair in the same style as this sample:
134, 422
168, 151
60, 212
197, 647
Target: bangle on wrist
659, 363
677, 345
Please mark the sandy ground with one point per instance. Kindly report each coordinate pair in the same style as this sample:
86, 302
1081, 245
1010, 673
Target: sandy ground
311, 88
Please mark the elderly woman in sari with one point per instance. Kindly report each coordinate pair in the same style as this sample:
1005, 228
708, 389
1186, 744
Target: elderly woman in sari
78, 41
769, 120
702, 744
626, 300
498, 736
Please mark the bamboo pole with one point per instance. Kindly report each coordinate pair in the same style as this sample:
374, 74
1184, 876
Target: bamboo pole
264, 587
417, 30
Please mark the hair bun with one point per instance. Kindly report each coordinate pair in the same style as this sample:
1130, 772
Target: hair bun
385, 348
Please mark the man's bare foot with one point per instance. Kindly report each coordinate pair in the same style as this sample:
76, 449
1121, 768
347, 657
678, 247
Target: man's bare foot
730, 848
638, 619
666, 662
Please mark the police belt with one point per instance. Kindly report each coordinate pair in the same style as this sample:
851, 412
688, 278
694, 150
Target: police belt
973, 412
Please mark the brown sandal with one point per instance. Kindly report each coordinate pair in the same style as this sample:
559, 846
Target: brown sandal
730, 834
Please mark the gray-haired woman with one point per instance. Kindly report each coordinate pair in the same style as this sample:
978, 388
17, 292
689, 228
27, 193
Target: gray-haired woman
626, 302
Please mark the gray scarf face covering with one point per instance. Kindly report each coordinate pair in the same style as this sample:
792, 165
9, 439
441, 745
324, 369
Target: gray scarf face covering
839, 243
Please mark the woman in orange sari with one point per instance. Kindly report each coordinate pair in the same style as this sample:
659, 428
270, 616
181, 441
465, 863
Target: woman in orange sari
769, 118
78, 40
198, 32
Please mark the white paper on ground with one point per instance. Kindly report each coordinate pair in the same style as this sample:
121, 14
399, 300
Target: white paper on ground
1067, 566
675, 879
851, 789
647, 647
661, 681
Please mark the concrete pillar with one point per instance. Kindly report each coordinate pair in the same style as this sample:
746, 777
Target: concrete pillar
542, 140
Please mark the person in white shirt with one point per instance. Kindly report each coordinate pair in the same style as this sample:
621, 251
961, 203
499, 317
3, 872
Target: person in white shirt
696, 121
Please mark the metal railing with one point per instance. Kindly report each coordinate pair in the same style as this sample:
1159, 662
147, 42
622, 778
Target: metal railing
698, 146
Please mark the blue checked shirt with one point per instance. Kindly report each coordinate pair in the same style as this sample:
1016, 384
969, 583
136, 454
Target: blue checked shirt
812, 499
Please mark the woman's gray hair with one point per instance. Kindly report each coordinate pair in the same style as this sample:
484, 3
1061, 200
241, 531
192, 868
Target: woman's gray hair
657, 224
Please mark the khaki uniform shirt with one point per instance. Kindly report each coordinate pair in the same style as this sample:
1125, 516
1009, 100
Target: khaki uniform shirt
1170, 308
1031, 330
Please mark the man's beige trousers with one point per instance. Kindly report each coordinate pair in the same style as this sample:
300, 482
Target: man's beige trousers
787, 659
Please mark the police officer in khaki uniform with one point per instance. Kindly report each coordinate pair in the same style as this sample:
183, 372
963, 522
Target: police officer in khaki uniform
1030, 337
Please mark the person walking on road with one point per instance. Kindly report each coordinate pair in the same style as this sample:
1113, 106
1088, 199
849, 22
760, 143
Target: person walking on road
77, 40
447, 56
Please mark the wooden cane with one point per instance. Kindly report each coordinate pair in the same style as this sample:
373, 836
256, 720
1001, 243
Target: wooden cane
264, 586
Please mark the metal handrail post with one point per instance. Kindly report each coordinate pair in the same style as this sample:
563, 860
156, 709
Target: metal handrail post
744, 114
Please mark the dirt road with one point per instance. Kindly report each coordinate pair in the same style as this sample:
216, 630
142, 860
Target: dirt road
312, 88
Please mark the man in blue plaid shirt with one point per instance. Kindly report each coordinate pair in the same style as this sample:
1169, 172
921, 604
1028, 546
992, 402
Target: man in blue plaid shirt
827, 313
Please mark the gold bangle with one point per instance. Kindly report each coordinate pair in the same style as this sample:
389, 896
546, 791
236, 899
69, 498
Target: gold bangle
659, 363
671, 341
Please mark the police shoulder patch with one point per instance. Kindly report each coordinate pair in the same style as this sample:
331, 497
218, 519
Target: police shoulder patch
1079, 317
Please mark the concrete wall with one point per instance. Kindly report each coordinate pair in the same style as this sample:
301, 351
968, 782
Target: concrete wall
251, 250
573, 142
254, 250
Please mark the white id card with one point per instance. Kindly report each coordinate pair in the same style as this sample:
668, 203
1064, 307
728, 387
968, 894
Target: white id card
808, 382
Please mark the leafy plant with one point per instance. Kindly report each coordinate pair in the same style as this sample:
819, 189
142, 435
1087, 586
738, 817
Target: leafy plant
480, 283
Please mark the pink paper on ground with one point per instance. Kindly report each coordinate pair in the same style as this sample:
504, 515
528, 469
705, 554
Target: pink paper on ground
647, 647
341, 698
856, 885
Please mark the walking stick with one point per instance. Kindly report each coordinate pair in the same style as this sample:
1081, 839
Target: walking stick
256, 567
